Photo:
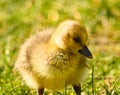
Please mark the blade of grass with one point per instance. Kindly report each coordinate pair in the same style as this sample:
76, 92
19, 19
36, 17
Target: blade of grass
93, 90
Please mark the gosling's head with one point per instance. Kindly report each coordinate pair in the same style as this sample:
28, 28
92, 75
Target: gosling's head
72, 37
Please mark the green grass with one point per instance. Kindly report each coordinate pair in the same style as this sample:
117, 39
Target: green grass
21, 18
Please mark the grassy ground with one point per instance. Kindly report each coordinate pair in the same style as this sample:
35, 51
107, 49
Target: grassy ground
21, 18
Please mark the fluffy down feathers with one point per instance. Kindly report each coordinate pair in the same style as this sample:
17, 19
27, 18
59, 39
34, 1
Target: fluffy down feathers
51, 58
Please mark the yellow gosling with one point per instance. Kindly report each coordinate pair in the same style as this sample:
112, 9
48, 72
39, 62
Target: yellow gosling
52, 58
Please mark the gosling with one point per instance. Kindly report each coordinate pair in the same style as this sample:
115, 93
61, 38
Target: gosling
54, 57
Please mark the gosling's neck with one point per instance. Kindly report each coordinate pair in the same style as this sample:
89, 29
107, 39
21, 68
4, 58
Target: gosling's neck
58, 57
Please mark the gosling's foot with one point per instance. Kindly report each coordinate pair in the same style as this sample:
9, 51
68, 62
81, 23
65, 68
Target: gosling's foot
40, 91
77, 89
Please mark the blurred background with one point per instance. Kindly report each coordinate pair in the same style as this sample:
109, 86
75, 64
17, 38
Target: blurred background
21, 18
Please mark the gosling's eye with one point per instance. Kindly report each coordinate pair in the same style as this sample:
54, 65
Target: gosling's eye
77, 39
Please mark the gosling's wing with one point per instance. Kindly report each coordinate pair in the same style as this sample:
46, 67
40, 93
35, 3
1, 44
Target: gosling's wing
27, 48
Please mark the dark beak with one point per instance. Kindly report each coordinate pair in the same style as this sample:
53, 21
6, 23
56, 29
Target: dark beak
85, 51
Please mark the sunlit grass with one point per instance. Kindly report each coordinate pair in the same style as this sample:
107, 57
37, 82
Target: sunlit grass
19, 19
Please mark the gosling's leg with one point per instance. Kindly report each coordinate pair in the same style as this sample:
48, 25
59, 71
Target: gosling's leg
40, 91
77, 89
